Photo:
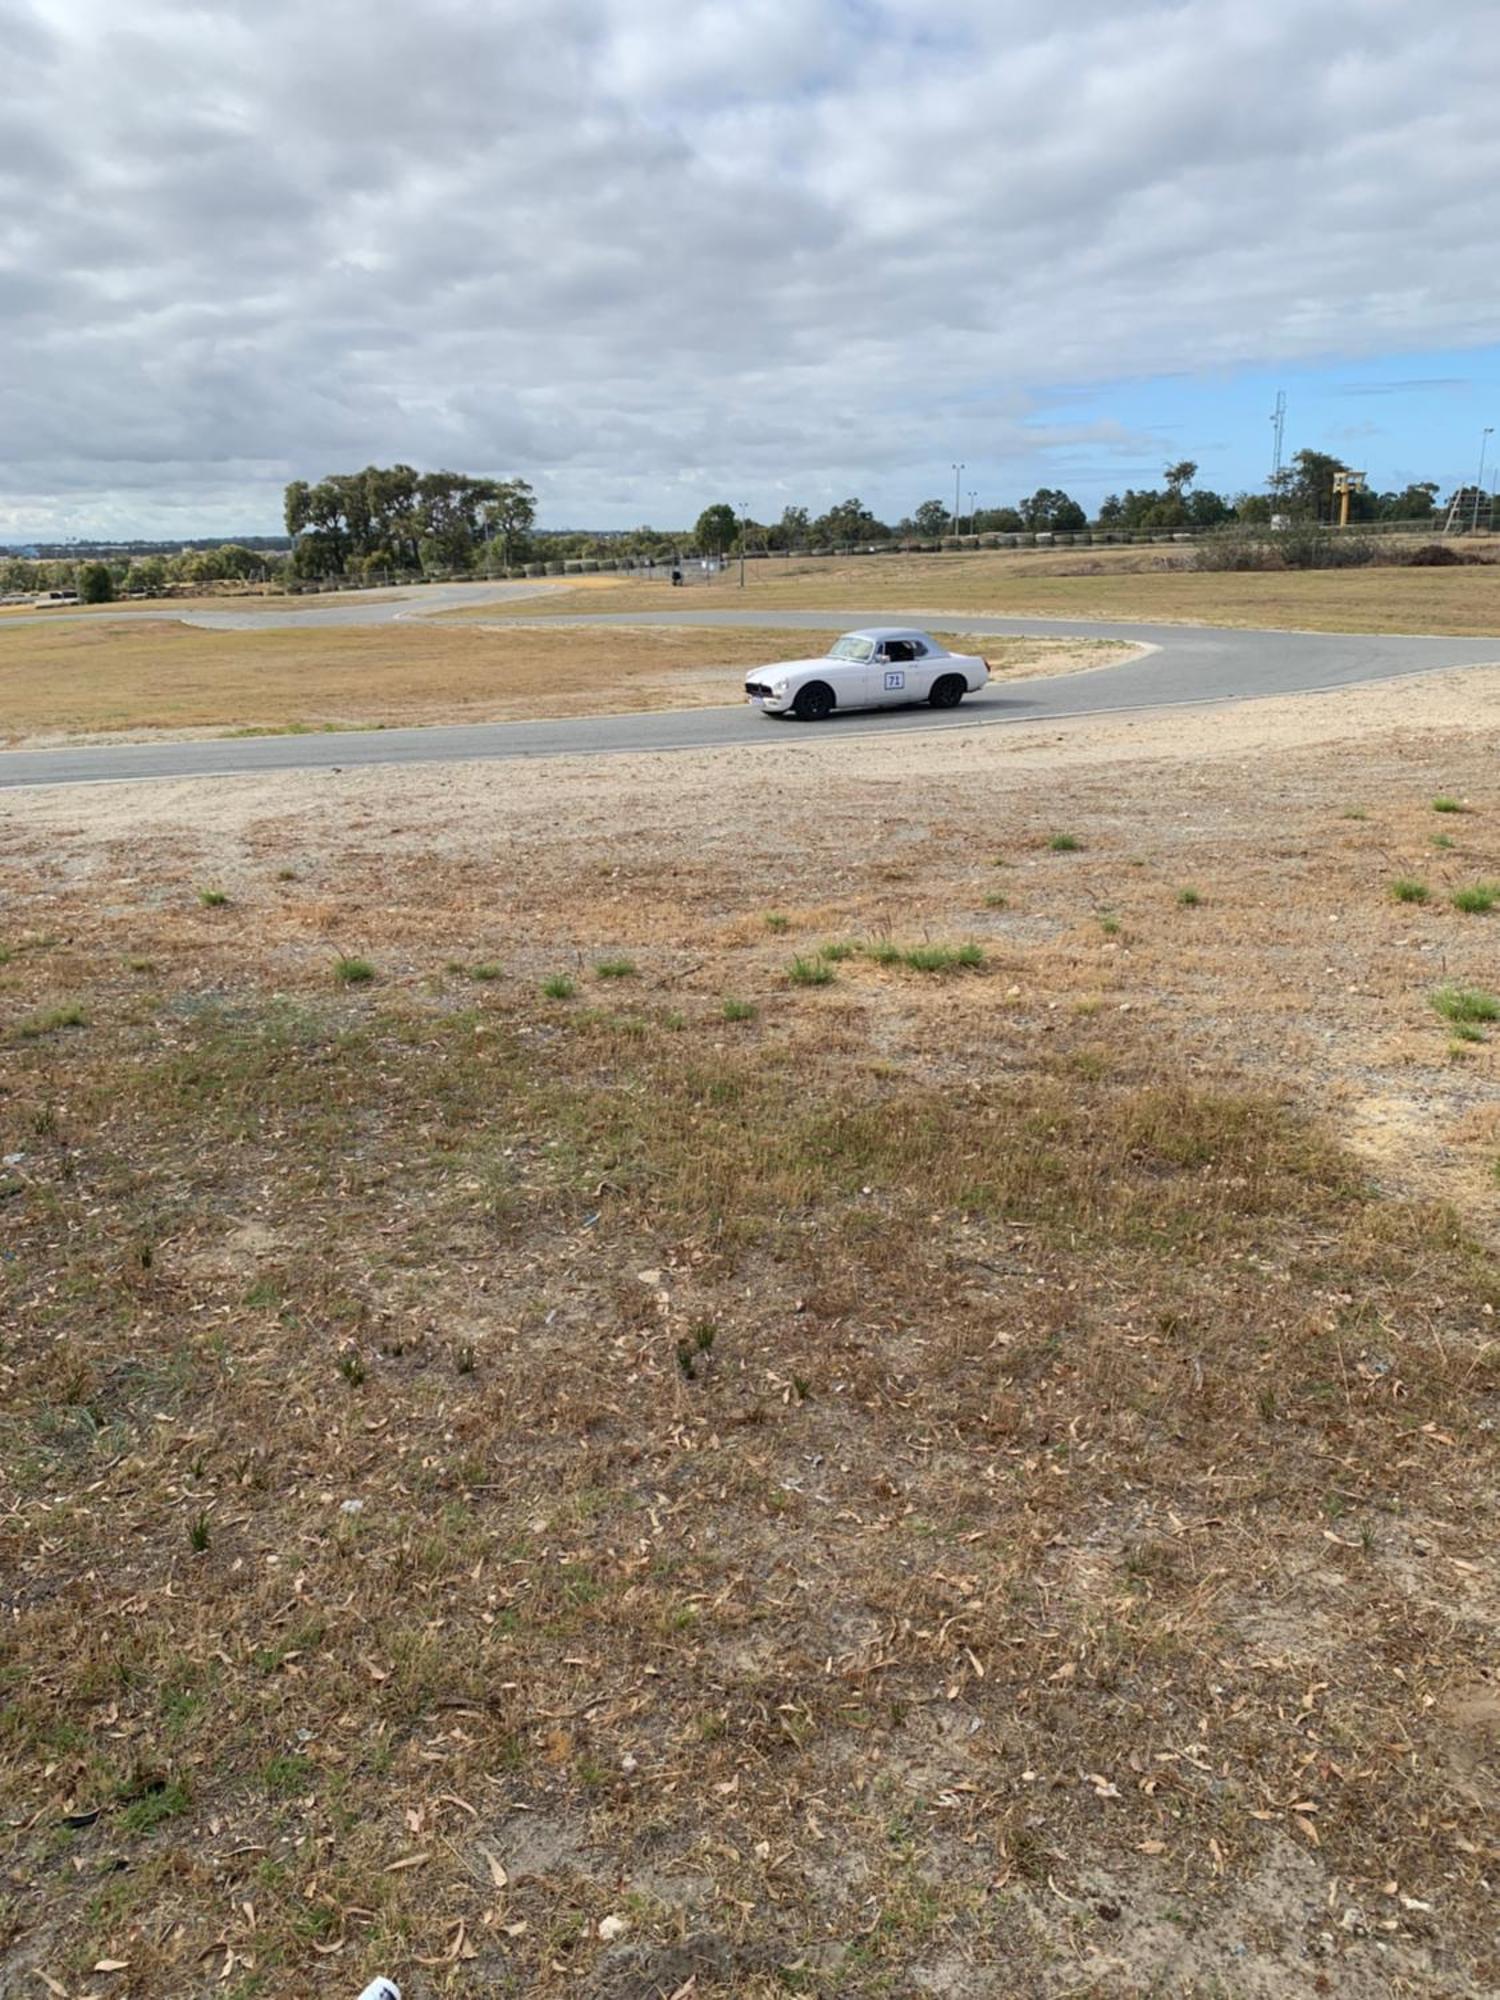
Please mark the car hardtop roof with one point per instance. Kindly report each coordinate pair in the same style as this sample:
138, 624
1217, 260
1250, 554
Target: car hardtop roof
887, 632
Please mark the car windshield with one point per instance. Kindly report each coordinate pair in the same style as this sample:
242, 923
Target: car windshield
851, 647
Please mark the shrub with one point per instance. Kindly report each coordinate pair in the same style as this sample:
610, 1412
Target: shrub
353, 971
1405, 890
1065, 843
1299, 545
559, 987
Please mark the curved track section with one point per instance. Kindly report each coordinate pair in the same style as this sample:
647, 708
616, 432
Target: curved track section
1189, 665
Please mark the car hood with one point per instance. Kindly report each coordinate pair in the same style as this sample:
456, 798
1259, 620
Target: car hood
780, 667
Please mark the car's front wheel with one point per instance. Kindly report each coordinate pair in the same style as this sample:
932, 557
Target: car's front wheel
948, 691
814, 703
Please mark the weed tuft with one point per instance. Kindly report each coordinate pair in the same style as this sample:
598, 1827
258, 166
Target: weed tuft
738, 1010
614, 968
810, 972
559, 987
1477, 900
1443, 804
777, 924
51, 1021
1065, 843
1189, 899
1406, 889
352, 971
213, 899
943, 957
1466, 1003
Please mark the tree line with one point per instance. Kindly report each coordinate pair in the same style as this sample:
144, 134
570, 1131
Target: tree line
394, 521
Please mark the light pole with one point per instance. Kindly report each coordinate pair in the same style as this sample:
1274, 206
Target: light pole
1484, 438
973, 513
958, 473
744, 530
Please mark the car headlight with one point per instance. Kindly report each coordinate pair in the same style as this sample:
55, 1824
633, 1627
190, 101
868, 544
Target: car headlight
778, 688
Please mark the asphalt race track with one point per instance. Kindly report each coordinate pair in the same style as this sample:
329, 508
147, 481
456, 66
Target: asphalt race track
1190, 665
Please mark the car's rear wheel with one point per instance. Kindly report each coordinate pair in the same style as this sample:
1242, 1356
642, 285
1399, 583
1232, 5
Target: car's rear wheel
814, 703
948, 691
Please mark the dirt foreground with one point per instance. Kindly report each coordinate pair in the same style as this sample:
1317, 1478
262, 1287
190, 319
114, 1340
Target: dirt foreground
921, 1422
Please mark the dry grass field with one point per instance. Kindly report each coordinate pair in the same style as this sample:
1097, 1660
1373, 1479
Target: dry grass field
116, 679
865, 1373
1153, 585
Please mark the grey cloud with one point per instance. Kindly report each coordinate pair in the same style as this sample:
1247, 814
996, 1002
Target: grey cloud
632, 249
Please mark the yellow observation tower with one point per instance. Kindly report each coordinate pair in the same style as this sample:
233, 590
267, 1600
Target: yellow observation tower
1345, 483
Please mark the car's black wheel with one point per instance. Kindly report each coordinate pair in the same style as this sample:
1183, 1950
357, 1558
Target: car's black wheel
948, 691
814, 703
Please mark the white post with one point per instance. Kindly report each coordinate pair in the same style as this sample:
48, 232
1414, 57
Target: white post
1484, 438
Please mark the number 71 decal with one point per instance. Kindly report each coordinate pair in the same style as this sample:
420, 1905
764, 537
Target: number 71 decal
895, 681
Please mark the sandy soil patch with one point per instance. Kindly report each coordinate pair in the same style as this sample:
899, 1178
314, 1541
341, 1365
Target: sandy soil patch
591, 1408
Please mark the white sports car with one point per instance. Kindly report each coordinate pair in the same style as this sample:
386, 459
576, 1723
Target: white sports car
882, 668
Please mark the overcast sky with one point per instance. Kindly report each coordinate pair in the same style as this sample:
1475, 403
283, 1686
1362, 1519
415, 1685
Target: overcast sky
652, 255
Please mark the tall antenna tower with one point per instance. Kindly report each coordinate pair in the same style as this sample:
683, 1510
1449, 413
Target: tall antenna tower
1278, 418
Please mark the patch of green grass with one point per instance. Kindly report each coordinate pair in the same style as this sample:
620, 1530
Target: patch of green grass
283, 1777
1443, 804
810, 972
777, 923
738, 1010
1407, 890
51, 1020
1189, 898
882, 951
615, 968
1477, 900
1065, 843
1443, 840
353, 971
836, 952
144, 1813
1109, 924
995, 901
942, 957
213, 899
486, 970
1466, 1003
559, 987
1354, 812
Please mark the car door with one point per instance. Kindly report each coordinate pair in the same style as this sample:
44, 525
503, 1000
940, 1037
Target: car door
891, 673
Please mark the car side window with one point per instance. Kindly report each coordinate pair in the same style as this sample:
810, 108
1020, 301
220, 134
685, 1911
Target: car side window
899, 649
918, 650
